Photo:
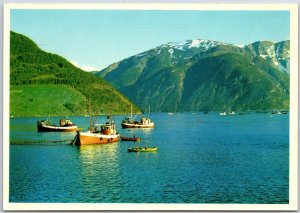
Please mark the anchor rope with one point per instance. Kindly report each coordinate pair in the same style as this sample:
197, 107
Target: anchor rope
45, 143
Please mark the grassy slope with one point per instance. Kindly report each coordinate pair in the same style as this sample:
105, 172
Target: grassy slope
38, 99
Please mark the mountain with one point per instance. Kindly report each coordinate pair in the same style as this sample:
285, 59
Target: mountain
204, 75
43, 83
277, 54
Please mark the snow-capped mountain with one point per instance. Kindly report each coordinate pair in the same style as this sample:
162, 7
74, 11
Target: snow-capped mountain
205, 75
278, 54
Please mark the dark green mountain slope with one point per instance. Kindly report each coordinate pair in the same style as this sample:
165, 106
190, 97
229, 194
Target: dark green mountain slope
203, 75
229, 82
29, 66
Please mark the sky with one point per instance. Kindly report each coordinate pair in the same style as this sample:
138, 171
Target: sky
94, 39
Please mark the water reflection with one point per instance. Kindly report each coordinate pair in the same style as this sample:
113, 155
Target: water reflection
95, 153
100, 174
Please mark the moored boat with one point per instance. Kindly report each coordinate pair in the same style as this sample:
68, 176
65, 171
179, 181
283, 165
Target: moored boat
135, 139
143, 149
98, 134
64, 126
144, 122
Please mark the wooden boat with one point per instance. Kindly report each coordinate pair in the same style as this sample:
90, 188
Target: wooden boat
98, 134
129, 122
135, 139
64, 126
143, 149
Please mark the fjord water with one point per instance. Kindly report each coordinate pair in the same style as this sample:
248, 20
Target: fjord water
202, 158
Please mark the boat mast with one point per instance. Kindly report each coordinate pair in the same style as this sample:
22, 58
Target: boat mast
48, 119
130, 112
91, 122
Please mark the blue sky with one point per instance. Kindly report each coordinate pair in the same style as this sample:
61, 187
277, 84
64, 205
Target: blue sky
94, 39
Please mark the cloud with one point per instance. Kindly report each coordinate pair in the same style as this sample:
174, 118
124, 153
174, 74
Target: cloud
85, 68
89, 68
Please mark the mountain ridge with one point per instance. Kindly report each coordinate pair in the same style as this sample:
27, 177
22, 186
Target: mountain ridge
157, 76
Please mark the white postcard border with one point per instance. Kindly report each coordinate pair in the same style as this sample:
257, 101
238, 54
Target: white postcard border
293, 186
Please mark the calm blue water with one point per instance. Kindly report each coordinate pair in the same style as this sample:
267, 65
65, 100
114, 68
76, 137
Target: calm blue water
202, 158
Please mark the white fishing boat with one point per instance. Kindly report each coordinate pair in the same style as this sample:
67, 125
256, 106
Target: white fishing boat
144, 122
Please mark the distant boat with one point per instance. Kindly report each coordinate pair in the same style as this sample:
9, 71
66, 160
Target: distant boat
64, 126
226, 113
129, 122
170, 113
134, 139
143, 149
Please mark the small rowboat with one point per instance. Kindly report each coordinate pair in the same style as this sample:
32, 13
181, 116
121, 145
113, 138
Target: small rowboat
143, 149
135, 139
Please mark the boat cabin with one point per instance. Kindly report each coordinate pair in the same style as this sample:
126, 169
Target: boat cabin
63, 122
105, 129
145, 121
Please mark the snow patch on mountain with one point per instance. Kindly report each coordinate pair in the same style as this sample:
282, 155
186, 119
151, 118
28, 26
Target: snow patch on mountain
196, 43
240, 45
141, 54
276, 53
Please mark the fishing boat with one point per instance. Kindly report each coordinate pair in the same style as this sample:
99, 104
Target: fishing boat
64, 126
98, 134
135, 139
144, 122
143, 149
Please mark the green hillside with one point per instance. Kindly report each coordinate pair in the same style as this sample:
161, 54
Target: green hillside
56, 99
42, 82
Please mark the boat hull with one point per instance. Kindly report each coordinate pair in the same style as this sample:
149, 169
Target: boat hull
128, 125
87, 138
48, 128
135, 139
138, 149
